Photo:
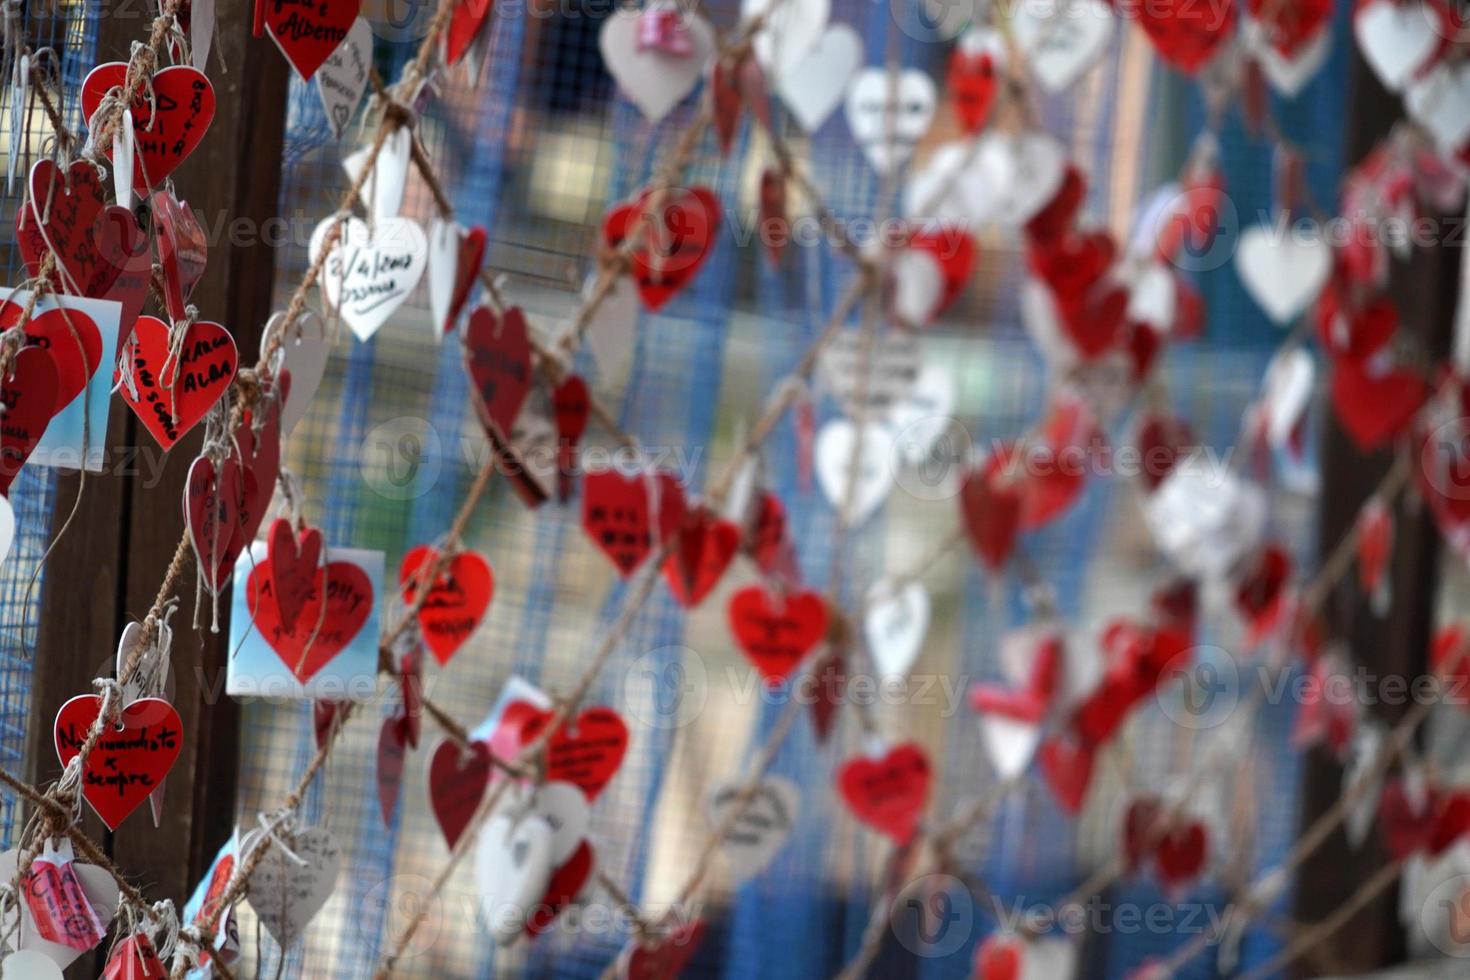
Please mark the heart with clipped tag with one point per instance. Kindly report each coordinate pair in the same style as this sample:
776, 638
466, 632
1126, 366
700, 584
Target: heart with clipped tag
456, 601
1397, 39
171, 391
456, 255
498, 355
585, 751
653, 78
171, 114
38, 958
294, 558
777, 633
955, 251
308, 33
888, 793
129, 762
618, 513
675, 241
213, 495
1407, 823
69, 336
29, 397
323, 629
301, 354
134, 959
342, 79
1181, 854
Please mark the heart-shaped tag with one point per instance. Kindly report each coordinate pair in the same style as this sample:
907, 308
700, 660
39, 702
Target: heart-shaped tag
893, 362
833, 453
308, 33
464, 25
705, 546
498, 356
675, 241
1181, 854
1440, 101
34, 952
69, 336
755, 827
991, 502
213, 495
1184, 39
888, 793
342, 78
294, 559
813, 86
1376, 407
1282, 271
456, 601
171, 394
789, 32
368, 274
29, 397
895, 624
513, 867
654, 79
888, 116
133, 959
586, 751
456, 255
183, 250
777, 633
170, 114
129, 762
66, 215
384, 183
618, 513
1066, 763
566, 884
323, 629
1396, 39
973, 75
458, 777
302, 353
1061, 41
288, 890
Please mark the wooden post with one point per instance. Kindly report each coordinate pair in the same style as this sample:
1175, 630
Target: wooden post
1425, 291
108, 568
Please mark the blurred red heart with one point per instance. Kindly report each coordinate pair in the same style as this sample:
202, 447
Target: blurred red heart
498, 355
1066, 763
955, 251
29, 397
318, 635
1182, 37
777, 632
1374, 408
456, 601
566, 884
617, 513
585, 751
170, 395
675, 241
704, 547
889, 793
990, 505
458, 777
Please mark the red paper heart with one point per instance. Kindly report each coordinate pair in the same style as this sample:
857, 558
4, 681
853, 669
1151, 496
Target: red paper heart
1260, 594
955, 251
889, 793
972, 85
1028, 704
124, 247
777, 633
212, 498
1067, 765
1183, 37
458, 778
1181, 854
324, 715
70, 337
134, 959
1093, 320
666, 957
349, 601
1351, 333
999, 957
704, 547
294, 558
586, 751
464, 25
1140, 824
1406, 830
128, 763
67, 214
307, 32
571, 405
775, 224
768, 544
167, 127
457, 600
28, 397
1374, 408
1451, 824
990, 505
617, 510
172, 396
830, 687
183, 250
498, 354
675, 242
566, 884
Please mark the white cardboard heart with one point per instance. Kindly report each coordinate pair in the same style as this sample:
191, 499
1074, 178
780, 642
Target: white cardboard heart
382, 193
29, 965
1154, 297
1396, 39
367, 276
1282, 270
1049, 959
564, 808
918, 285
893, 365
925, 414
888, 116
790, 30
1286, 392
444, 238
1009, 744
1063, 39
833, 453
1440, 101
763, 826
1205, 518
653, 80
97, 884
814, 86
895, 625
1031, 167
342, 79
286, 895
153, 676
304, 353
201, 32
951, 184
512, 868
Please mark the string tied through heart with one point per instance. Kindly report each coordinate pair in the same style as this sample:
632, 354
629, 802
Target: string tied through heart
271, 828
187, 947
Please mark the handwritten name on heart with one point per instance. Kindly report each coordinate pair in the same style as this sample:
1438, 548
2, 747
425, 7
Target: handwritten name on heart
586, 751
618, 513
677, 238
308, 31
128, 762
320, 633
69, 336
888, 793
497, 351
777, 634
171, 394
167, 128
456, 601
67, 214
369, 273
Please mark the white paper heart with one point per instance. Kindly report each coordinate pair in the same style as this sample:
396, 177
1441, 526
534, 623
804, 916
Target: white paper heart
1031, 168
889, 116
512, 868
892, 363
952, 185
918, 285
20, 87
1205, 518
763, 826
153, 675
1290, 75
367, 276
1062, 39
1009, 744
99, 887
789, 32
924, 415
342, 79
895, 625
1363, 755
1440, 101
833, 453
7, 528
564, 808
286, 895
612, 332
382, 194
444, 238
304, 353
654, 80
1282, 270
1154, 297
1043, 324
814, 86
1396, 39
1286, 392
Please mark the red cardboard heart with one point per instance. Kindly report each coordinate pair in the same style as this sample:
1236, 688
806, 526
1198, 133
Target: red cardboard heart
1182, 37
471, 255
129, 762
294, 558
1057, 217
308, 31
171, 395
1290, 25
704, 547
1066, 763
28, 397
955, 251
458, 777
617, 513
1405, 828
212, 498
70, 337
134, 959
464, 24
392, 751
66, 214
349, 601
566, 884
777, 632
1161, 440
182, 248
167, 127
999, 957
1374, 408
1140, 827
675, 241
888, 794
1181, 854
1028, 704
586, 751
571, 404
456, 601
1260, 594
990, 505
498, 354
972, 84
